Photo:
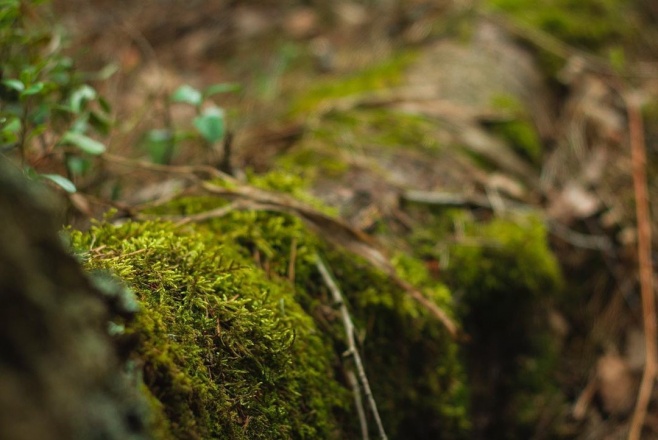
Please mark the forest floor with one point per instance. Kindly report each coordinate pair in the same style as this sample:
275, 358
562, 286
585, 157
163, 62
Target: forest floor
384, 108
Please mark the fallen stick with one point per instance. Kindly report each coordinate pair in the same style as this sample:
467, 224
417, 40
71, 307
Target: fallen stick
351, 343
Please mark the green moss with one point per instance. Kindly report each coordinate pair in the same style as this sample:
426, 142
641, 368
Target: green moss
412, 364
313, 162
226, 352
379, 77
507, 275
231, 347
328, 149
504, 277
522, 136
519, 131
381, 129
590, 24
511, 264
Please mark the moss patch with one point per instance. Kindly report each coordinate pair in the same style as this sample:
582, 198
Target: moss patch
378, 128
231, 348
519, 130
328, 149
506, 279
587, 23
378, 77
226, 353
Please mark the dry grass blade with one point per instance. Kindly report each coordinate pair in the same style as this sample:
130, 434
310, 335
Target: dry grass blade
336, 232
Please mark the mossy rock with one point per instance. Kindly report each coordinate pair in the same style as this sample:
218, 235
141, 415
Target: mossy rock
226, 353
237, 338
376, 78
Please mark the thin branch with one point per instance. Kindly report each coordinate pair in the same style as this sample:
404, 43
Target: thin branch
208, 215
358, 402
578, 239
352, 350
190, 170
336, 232
638, 157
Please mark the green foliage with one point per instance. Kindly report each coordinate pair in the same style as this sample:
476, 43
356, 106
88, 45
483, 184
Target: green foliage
44, 103
161, 143
210, 124
591, 24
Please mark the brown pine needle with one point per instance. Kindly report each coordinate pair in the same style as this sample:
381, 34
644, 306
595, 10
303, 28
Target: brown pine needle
638, 157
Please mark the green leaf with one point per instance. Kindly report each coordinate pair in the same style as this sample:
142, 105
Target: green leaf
80, 124
160, 145
210, 124
82, 95
33, 89
41, 114
100, 122
85, 143
106, 72
11, 125
15, 84
105, 105
188, 95
61, 181
78, 165
221, 88
28, 74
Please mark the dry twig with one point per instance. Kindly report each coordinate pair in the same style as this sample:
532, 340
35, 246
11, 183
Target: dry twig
638, 156
351, 349
336, 232
354, 383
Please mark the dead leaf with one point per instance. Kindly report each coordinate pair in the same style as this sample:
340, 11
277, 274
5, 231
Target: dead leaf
617, 385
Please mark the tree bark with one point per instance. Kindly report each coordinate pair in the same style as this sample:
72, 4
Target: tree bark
60, 375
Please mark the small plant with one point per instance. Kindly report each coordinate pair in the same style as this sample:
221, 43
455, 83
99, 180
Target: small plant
46, 108
209, 122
